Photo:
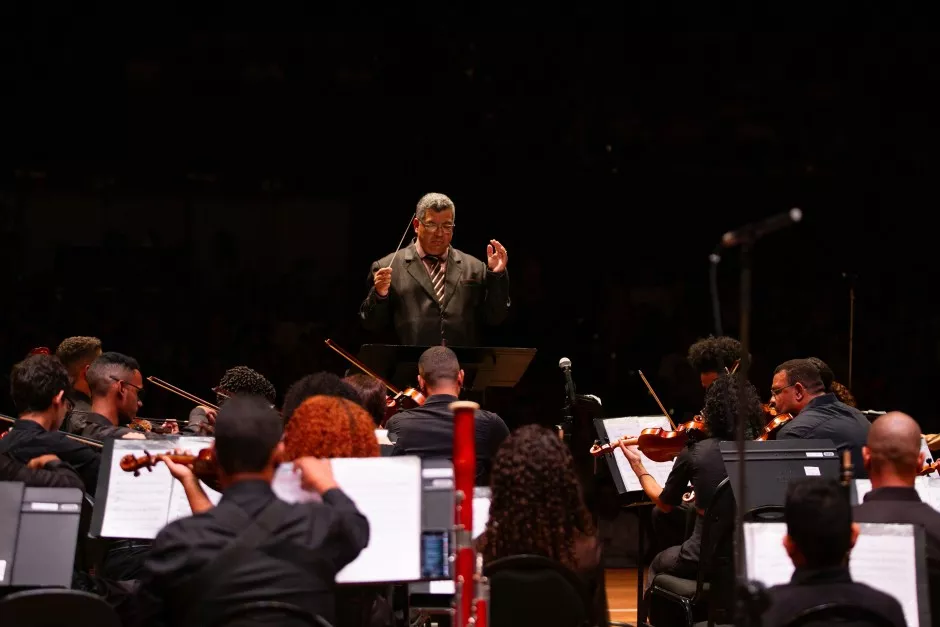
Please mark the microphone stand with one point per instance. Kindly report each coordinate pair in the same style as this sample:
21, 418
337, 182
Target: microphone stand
714, 259
851, 278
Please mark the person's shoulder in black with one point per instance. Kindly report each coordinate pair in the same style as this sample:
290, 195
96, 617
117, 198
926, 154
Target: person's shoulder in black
53, 473
812, 587
28, 439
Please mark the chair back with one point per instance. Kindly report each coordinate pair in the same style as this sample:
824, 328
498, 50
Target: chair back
716, 554
536, 590
765, 513
53, 607
839, 614
278, 613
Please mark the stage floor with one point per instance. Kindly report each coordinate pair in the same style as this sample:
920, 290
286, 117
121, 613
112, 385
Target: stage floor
621, 594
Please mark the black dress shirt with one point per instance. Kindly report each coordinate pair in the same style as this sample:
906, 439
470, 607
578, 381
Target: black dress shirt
27, 439
428, 432
81, 403
827, 418
92, 425
701, 464
296, 564
809, 588
903, 505
55, 474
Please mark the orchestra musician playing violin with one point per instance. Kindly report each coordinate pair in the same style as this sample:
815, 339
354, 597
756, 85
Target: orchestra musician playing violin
428, 431
432, 293
237, 380
713, 356
699, 463
38, 385
116, 386
798, 390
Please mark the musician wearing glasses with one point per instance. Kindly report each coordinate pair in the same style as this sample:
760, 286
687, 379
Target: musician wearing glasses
432, 293
798, 390
116, 386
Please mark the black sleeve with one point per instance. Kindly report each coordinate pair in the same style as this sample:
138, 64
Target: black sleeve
167, 558
677, 483
55, 474
498, 431
497, 296
82, 457
349, 529
374, 311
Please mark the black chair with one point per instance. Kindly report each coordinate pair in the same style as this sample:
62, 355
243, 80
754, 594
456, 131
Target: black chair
536, 590
715, 564
765, 513
271, 613
839, 614
54, 607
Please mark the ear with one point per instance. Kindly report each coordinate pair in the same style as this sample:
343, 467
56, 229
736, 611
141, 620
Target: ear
866, 458
422, 384
85, 370
854, 535
60, 398
414, 223
790, 547
798, 390
460, 378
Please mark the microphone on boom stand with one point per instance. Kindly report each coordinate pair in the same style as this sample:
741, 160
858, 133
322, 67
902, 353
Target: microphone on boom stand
567, 422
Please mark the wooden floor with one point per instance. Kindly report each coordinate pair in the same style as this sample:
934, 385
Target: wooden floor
621, 594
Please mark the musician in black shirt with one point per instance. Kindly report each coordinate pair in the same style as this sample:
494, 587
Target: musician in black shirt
820, 536
252, 547
45, 471
798, 390
701, 464
38, 385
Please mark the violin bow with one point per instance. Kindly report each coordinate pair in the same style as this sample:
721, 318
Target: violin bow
71, 436
658, 402
180, 392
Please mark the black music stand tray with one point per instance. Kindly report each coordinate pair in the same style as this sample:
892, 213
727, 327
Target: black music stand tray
484, 367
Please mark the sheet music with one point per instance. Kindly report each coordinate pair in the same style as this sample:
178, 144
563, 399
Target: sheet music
139, 507
481, 514
862, 487
631, 427
387, 490
883, 558
931, 495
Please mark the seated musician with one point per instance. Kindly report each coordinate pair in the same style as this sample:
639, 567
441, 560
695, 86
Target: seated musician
712, 356
371, 393
537, 508
316, 384
820, 536
428, 431
798, 390
38, 385
45, 471
831, 385
76, 354
237, 380
700, 463
252, 546
893, 459
116, 386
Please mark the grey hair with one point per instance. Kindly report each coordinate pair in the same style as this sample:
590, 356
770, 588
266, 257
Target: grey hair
436, 203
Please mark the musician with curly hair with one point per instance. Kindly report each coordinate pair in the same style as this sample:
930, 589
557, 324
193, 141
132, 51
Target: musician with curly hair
537, 508
729, 398
713, 356
237, 380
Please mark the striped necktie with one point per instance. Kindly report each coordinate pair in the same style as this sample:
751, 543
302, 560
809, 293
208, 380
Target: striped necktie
437, 275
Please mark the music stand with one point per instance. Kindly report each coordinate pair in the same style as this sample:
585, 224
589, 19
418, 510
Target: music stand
484, 367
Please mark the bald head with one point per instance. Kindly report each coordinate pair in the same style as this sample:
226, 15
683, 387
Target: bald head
894, 446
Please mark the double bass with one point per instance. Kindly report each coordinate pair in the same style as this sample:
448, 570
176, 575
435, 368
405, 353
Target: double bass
409, 398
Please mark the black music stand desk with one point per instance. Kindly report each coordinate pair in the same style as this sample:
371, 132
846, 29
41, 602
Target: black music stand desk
484, 367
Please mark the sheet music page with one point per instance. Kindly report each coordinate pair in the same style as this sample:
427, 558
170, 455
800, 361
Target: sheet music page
387, 490
481, 514
179, 504
137, 507
631, 427
931, 495
767, 560
884, 558
862, 487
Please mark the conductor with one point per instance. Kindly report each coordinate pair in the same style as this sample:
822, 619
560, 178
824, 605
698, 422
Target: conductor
433, 293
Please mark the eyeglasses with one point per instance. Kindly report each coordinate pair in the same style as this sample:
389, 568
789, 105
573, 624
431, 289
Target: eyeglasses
433, 226
139, 388
777, 391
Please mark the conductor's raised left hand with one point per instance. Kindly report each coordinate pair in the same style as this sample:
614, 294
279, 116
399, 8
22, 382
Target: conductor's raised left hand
496, 256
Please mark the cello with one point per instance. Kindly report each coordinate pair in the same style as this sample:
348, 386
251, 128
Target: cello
409, 398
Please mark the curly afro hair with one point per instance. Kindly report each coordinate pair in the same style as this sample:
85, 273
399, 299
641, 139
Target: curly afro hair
723, 402
714, 354
537, 505
244, 380
843, 394
316, 384
329, 426
78, 351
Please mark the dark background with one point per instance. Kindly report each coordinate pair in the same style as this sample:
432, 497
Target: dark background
204, 197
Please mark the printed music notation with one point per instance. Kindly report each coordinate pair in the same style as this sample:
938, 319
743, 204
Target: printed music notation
630, 427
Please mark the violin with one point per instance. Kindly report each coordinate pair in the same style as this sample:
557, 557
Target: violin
929, 468
408, 398
774, 422
659, 445
204, 465
146, 425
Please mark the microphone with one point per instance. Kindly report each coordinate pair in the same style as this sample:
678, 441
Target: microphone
565, 364
752, 232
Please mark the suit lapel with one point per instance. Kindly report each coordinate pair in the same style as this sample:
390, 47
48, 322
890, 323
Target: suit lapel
418, 272
451, 276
